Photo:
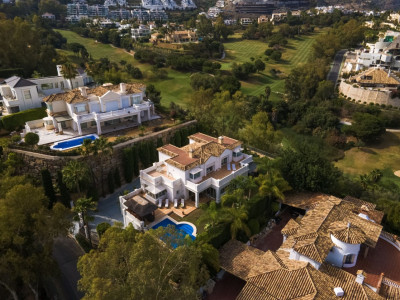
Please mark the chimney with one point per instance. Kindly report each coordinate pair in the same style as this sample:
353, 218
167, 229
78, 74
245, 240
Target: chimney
220, 140
83, 91
122, 87
338, 291
59, 68
191, 151
360, 276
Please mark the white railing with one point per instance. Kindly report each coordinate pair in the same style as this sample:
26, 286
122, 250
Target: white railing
216, 182
248, 159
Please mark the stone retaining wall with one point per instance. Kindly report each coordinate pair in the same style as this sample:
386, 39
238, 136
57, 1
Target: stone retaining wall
367, 95
33, 162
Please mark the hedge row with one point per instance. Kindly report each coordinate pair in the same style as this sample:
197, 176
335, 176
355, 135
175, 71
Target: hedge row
17, 120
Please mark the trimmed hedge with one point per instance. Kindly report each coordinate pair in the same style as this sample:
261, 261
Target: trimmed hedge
14, 121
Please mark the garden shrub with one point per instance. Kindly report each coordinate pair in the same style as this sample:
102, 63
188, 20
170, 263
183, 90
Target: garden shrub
31, 138
17, 120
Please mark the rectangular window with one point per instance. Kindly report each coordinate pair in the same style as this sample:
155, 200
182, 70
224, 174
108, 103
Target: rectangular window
93, 123
80, 108
195, 176
349, 259
56, 85
136, 99
47, 86
209, 169
27, 95
224, 161
237, 154
62, 85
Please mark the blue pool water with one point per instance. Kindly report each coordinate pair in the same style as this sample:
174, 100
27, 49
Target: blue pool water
185, 228
76, 142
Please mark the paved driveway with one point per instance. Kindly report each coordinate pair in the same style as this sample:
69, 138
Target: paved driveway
108, 207
335, 69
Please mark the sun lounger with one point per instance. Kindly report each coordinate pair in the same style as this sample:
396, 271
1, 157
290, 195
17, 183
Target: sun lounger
233, 167
166, 203
159, 203
175, 203
228, 167
182, 203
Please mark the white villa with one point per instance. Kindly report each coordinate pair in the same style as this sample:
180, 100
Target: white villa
141, 31
204, 167
21, 94
85, 108
385, 53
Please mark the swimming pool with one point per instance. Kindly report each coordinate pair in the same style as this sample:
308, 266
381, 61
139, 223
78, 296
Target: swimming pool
72, 143
185, 227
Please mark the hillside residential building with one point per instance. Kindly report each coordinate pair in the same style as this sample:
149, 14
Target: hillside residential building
327, 253
49, 16
385, 54
246, 21
105, 105
176, 37
21, 94
140, 32
204, 167
377, 78
262, 19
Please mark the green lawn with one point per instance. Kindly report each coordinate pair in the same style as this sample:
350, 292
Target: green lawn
175, 88
240, 51
384, 155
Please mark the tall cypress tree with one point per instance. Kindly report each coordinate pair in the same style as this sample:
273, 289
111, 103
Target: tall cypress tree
128, 164
64, 193
159, 142
110, 182
48, 187
135, 158
117, 178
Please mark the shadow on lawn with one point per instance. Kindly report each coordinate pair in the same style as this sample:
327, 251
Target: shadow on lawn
388, 139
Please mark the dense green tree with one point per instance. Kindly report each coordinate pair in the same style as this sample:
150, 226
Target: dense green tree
153, 94
134, 265
62, 188
117, 178
103, 149
110, 182
127, 163
260, 133
366, 127
27, 231
260, 65
68, 71
304, 168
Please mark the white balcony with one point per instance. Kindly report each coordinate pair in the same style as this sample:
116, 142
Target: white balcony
221, 177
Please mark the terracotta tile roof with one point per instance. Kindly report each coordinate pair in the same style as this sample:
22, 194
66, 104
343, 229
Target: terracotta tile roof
244, 261
312, 238
352, 289
304, 200
290, 228
204, 147
367, 208
347, 233
390, 292
301, 283
75, 95
375, 76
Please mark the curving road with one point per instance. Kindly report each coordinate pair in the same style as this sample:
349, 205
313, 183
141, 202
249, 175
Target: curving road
333, 74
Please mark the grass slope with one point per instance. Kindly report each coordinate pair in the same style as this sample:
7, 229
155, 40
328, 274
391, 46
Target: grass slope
175, 88
384, 155
240, 51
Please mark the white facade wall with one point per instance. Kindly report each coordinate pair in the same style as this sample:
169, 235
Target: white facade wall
297, 256
339, 252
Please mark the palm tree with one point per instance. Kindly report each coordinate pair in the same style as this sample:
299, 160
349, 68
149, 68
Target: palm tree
237, 217
246, 184
74, 173
87, 147
272, 185
211, 215
82, 207
68, 70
